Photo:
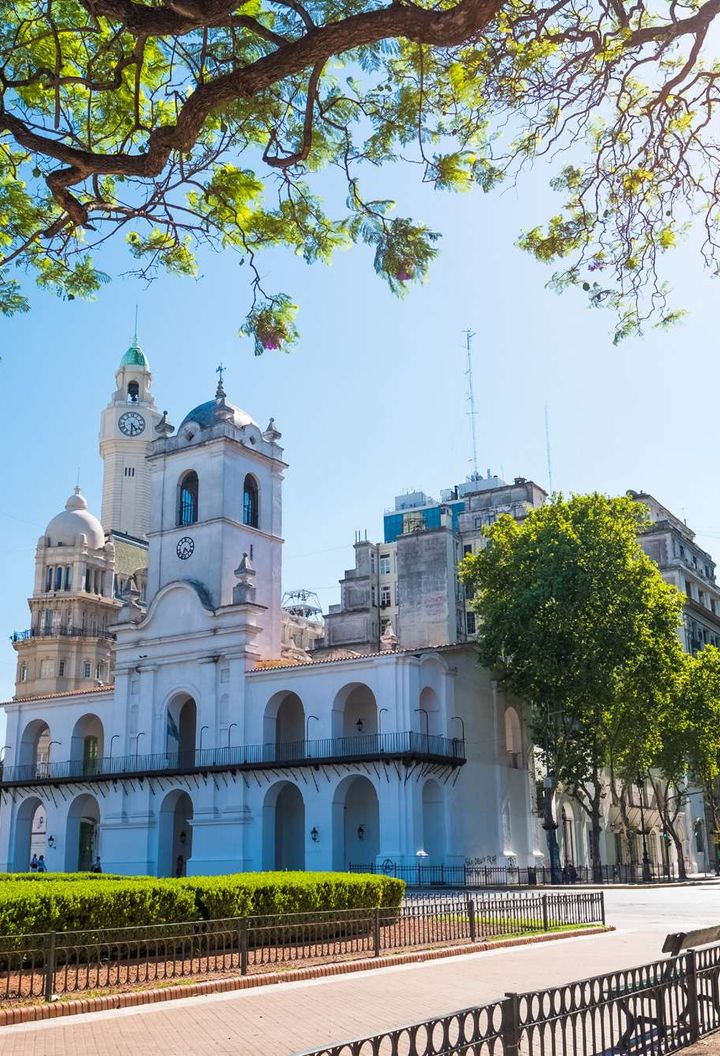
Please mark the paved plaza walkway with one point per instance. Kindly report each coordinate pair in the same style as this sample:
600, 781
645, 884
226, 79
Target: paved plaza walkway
293, 1017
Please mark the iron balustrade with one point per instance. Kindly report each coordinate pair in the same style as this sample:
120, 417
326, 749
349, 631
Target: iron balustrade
57, 963
499, 876
60, 632
374, 746
645, 1011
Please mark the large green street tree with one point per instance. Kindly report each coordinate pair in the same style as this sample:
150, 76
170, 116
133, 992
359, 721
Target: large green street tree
578, 623
173, 124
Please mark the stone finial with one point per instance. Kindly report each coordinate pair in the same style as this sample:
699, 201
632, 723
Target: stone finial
244, 589
131, 610
224, 412
388, 639
271, 433
163, 427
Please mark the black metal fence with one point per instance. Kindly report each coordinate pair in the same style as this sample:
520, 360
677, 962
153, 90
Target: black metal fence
247, 756
43, 965
654, 1009
499, 876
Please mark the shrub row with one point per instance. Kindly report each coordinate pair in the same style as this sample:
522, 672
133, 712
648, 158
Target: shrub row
94, 902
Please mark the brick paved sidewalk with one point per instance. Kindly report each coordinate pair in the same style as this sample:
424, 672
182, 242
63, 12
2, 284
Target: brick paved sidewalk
293, 1017
709, 1046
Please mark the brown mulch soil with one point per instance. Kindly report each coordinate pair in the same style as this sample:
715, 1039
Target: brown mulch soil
122, 974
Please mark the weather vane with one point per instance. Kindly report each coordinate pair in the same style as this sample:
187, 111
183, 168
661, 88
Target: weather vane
220, 370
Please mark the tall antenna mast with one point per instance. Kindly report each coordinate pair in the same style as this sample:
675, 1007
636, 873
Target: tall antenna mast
547, 449
469, 335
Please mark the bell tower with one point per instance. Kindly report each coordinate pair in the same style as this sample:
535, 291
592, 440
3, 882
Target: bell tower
127, 431
217, 511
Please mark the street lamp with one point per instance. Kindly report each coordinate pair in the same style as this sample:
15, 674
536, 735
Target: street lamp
380, 715
115, 737
646, 873
202, 731
230, 729
423, 711
137, 745
307, 725
461, 720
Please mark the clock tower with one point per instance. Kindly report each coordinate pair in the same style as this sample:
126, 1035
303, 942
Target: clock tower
127, 431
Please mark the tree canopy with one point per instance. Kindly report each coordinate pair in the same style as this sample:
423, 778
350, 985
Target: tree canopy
579, 623
174, 124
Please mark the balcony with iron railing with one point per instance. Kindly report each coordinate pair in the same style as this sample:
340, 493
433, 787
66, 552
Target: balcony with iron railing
407, 747
60, 632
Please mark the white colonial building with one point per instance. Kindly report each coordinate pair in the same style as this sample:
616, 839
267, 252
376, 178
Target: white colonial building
162, 723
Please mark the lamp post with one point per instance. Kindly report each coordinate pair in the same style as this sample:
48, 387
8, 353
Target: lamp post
380, 715
230, 729
115, 737
423, 711
137, 745
202, 731
461, 720
646, 873
307, 726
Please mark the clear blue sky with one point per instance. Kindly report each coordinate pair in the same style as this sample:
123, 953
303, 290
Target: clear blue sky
372, 402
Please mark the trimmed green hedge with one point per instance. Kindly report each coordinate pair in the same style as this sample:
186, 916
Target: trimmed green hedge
73, 902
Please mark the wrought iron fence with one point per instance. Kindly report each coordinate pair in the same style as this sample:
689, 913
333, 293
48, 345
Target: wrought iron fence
499, 876
43, 965
650, 1010
246, 756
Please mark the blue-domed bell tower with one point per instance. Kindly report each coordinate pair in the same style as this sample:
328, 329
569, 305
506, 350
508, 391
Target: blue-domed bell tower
217, 495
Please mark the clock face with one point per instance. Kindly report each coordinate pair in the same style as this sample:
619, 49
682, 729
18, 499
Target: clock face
185, 548
131, 423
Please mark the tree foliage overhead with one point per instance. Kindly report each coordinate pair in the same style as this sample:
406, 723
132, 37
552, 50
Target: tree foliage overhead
180, 123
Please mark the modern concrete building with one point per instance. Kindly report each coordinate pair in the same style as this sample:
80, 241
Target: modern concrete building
409, 582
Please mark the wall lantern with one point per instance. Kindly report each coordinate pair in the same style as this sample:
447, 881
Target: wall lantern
359, 725
314, 834
361, 832
183, 837
51, 841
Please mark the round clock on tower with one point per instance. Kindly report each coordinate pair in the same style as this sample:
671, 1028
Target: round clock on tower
126, 434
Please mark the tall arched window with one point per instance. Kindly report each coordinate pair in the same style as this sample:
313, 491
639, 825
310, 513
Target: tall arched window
188, 500
250, 502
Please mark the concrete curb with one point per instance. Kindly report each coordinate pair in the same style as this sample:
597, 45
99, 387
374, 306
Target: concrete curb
129, 999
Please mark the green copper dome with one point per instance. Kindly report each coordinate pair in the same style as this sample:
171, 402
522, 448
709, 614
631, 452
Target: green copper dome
134, 357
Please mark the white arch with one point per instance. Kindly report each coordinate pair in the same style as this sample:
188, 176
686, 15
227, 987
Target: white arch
434, 822
283, 834
284, 718
355, 822
429, 713
354, 711
87, 743
35, 744
82, 833
175, 833
21, 845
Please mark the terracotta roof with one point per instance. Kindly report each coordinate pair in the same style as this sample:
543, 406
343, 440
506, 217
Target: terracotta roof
109, 687
273, 665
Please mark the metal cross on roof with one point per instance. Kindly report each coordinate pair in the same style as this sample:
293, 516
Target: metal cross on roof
220, 370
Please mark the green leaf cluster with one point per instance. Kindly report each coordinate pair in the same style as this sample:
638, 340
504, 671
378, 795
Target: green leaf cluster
579, 623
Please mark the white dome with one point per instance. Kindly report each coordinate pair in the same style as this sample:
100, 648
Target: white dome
75, 520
